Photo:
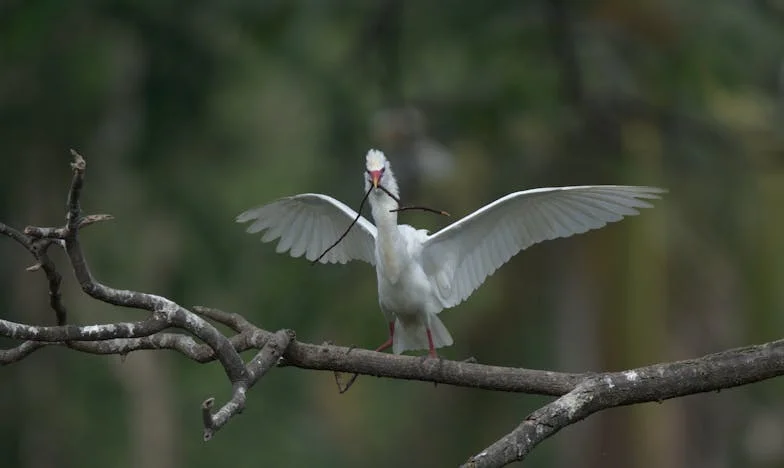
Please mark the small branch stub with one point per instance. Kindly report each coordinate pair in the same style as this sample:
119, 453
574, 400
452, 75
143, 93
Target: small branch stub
206, 416
78, 164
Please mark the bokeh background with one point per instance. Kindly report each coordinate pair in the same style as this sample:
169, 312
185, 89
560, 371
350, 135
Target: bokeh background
191, 112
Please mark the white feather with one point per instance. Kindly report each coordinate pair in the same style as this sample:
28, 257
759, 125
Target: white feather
309, 223
468, 251
418, 274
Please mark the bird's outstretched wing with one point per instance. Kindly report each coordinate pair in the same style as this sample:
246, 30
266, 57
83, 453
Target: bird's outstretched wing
458, 258
309, 223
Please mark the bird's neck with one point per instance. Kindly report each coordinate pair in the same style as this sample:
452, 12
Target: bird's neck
389, 243
381, 205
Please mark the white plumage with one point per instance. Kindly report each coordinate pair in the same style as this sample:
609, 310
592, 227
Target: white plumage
419, 274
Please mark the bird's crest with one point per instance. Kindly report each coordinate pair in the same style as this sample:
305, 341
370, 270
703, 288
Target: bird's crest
375, 160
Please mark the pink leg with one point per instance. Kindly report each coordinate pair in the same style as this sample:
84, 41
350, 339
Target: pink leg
432, 351
388, 343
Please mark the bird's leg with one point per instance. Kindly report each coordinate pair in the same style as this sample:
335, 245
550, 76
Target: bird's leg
388, 343
432, 350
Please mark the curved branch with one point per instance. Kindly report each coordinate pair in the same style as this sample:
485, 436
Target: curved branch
658, 382
165, 312
174, 314
269, 356
62, 333
15, 235
184, 344
17, 353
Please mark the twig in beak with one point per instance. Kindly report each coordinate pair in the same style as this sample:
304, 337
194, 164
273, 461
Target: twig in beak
359, 213
415, 207
391, 195
422, 208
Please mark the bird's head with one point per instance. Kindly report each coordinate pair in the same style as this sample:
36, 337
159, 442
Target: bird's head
378, 173
376, 165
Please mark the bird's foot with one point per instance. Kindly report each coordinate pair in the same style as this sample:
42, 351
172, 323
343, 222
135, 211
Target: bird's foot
388, 343
429, 357
385, 345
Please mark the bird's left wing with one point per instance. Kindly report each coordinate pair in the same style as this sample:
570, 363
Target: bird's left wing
458, 258
309, 223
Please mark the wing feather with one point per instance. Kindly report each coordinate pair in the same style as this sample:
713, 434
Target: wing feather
290, 230
568, 220
461, 256
309, 223
304, 227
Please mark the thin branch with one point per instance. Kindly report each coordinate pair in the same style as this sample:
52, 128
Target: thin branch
420, 208
175, 314
236, 322
20, 331
184, 344
17, 353
348, 229
270, 355
62, 232
40, 248
264, 360
73, 210
15, 235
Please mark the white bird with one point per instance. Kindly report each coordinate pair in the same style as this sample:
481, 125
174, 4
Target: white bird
420, 274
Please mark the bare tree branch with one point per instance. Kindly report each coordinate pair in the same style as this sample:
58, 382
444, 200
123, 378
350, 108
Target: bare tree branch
172, 313
165, 313
462, 374
17, 353
191, 333
40, 248
61, 232
15, 235
269, 356
155, 323
658, 382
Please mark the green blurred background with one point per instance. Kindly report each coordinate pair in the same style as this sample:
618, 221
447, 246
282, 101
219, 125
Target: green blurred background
191, 112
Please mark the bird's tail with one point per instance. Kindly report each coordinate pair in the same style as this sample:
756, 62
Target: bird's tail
414, 336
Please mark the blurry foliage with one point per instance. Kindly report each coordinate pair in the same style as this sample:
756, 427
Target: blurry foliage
189, 113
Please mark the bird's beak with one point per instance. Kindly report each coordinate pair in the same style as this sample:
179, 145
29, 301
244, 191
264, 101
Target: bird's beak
375, 177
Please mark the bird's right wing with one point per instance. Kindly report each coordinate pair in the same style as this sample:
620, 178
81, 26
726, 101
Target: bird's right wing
461, 256
309, 223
